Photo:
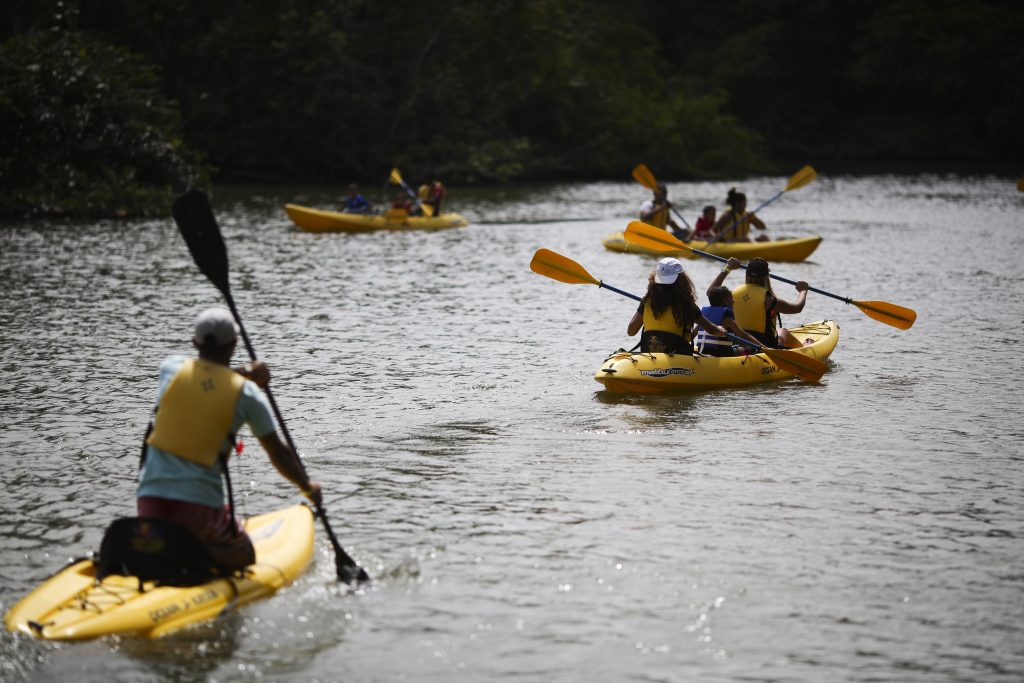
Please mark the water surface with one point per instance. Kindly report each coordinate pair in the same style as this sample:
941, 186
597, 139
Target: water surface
521, 524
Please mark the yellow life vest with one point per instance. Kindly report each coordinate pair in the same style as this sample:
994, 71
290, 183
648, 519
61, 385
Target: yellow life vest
738, 229
659, 218
196, 411
748, 307
666, 322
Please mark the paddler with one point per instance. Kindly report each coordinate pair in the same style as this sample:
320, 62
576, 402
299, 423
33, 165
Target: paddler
202, 403
734, 223
757, 308
655, 211
669, 311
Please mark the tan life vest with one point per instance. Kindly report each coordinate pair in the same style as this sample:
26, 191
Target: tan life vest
748, 307
195, 413
659, 218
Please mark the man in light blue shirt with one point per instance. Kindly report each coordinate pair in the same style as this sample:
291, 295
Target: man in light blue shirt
201, 406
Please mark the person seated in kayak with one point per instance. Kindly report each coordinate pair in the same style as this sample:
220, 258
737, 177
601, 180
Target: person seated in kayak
734, 223
400, 204
704, 228
655, 211
201, 405
756, 307
668, 312
720, 312
355, 202
436, 194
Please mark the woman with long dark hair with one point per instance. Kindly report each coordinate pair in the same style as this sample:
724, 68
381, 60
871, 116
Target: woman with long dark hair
669, 311
734, 223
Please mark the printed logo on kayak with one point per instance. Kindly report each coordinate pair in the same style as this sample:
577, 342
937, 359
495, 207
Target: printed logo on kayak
167, 611
665, 372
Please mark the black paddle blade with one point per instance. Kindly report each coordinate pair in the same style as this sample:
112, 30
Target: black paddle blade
350, 573
195, 220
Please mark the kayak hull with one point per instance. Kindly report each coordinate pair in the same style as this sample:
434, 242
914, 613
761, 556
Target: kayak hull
317, 220
72, 605
662, 373
792, 250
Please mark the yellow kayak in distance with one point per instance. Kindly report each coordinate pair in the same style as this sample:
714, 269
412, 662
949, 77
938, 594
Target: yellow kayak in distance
662, 373
792, 250
73, 605
318, 220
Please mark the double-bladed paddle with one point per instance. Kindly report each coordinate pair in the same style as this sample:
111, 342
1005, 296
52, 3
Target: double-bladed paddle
638, 232
802, 177
396, 178
198, 226
643, 175
557, 267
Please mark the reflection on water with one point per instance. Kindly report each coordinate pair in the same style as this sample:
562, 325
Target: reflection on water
522, 523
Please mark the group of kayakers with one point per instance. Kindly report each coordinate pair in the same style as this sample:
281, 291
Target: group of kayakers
672, 322
428, 200
732, 226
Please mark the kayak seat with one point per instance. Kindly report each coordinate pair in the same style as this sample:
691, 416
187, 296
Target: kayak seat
154, 550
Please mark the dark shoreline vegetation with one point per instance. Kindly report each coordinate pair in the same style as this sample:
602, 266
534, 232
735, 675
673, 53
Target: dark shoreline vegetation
110, 109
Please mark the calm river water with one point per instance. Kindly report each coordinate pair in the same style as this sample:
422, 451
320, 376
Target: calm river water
522, 525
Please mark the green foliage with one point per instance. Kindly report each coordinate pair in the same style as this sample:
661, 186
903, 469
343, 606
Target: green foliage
86, 131
337, 90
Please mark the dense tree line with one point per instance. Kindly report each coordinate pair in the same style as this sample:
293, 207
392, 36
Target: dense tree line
113, 105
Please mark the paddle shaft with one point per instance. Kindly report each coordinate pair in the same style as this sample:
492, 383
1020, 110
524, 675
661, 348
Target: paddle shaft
618, 291
844, 299
412, 195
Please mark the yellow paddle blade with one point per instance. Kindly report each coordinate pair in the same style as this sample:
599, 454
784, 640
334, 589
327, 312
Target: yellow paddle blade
1020, 184
643, 175
644, 235
807, 368
557, 267
428, 210
395, 178
890, 314
802, 177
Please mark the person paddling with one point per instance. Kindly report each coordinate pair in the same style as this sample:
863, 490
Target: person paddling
355, 202
201, 405
655, 211
720, 312
757, 308
668, 312
734, 223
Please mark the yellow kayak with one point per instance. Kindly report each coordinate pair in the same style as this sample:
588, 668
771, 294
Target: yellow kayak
317, 220
662, 373
73, 605
796, 249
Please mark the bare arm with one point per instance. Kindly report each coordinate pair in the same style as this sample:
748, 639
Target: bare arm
288, 464
794, 306
731, 265
735, 328
710, 327
635, 323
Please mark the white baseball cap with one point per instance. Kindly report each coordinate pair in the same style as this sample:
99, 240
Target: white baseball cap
215, 327
668, 270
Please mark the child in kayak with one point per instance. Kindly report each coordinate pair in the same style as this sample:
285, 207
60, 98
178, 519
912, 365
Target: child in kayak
757, 308
720, 312
704, 228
